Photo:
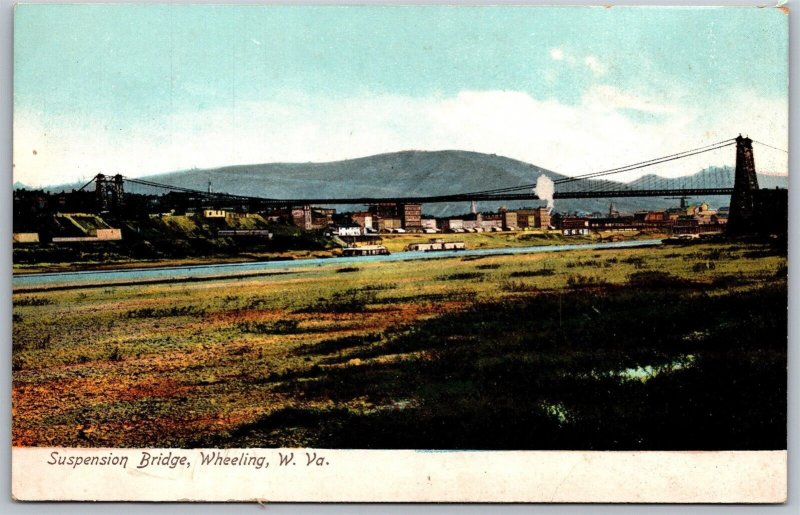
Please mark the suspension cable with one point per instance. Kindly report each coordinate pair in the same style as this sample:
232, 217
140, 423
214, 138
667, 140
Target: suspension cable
651, 162
770, 146
635, 166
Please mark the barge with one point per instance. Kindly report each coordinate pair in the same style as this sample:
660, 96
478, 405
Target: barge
365, 250
436, 245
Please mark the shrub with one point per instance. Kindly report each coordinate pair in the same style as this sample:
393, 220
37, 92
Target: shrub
348, 269
378, 287
767, 252
590, 263
637, 262
116, 354
353, 300
166, 312
256, 303
461, 276
32, 301
544, 272
703, 266
582, 281
517, 287
42, 343
239, 351
286, 326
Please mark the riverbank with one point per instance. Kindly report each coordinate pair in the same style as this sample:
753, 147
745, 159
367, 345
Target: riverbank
194, 273
129, 264
393, 242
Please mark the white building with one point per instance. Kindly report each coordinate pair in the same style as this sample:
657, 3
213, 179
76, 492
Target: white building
214, 213
348, 230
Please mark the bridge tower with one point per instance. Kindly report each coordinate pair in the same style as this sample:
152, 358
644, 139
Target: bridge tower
109, 192
742, 216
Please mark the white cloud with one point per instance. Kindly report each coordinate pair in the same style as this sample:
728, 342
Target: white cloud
595, 134
556, 54
604, 96
593, 63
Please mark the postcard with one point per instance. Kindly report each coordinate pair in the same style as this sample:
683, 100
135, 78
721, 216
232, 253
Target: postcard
400, 253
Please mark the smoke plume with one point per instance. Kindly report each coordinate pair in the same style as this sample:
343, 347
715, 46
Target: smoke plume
544, 190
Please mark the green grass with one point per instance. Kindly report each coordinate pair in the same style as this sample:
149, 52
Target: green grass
523, 351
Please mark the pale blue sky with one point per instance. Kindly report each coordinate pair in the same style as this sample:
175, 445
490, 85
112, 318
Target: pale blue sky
153, 86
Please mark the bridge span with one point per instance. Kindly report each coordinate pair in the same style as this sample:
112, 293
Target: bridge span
110, 191
433, 199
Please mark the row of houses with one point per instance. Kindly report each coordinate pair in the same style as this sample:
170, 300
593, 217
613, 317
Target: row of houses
390, 216
408, 218
684, 220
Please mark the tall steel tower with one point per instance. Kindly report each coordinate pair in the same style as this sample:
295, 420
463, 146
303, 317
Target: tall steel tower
742, 217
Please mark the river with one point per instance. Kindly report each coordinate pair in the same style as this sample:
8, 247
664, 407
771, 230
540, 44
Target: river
33, 282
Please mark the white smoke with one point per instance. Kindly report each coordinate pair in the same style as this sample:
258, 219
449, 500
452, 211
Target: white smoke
544, 190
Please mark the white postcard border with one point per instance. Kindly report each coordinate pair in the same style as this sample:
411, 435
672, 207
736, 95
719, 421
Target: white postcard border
327, 475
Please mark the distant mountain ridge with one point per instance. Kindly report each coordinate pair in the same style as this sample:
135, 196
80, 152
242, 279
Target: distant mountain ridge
410, 173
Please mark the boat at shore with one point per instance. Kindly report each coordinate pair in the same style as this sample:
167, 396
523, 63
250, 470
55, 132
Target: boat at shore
683, 239
365, 250
436, 245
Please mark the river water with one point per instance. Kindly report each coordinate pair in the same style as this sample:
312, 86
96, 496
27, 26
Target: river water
110, 277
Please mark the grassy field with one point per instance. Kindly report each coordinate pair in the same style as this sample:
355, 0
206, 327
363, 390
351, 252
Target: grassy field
650, 348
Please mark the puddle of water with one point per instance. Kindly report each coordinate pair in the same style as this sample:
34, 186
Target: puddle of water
556, 410
648, 372
397, 405
401, 404
560, 413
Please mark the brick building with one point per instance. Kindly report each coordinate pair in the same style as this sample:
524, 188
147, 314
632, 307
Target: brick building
391, 215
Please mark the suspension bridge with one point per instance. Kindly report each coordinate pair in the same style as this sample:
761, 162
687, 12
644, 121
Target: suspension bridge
111, 190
